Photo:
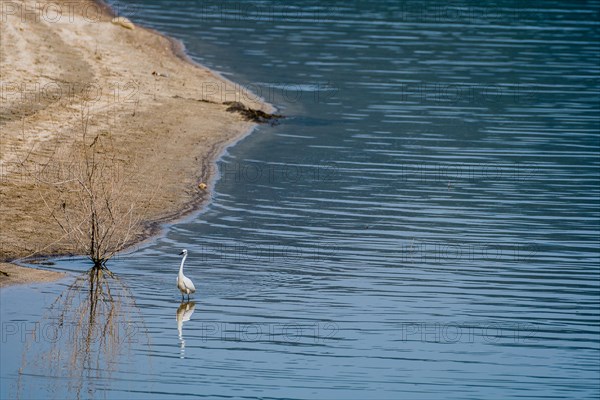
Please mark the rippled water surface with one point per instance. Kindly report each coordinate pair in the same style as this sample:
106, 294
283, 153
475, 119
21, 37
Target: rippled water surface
424, 224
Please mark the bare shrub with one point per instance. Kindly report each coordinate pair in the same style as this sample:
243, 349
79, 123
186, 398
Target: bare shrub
93, 201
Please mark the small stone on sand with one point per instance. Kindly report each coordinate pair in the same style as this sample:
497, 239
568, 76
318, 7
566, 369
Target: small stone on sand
124, 22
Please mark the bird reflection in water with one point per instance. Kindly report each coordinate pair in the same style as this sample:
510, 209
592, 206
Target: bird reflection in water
184, 313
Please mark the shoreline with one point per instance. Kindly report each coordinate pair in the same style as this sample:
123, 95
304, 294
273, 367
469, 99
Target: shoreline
163, 101
13, 274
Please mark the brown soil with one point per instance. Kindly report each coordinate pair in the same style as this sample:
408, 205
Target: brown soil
78, 80
11, 274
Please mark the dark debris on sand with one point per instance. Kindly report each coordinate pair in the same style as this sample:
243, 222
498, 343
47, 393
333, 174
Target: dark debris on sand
252, 114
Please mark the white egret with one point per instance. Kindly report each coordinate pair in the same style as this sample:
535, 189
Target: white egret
183, 282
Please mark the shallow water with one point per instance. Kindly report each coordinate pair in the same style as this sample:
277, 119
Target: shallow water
424, 224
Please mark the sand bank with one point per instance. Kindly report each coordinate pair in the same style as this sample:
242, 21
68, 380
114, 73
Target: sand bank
11, 274
72, 78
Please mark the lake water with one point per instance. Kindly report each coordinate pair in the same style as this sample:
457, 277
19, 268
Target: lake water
424, 224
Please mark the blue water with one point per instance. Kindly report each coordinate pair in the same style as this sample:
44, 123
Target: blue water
424, 224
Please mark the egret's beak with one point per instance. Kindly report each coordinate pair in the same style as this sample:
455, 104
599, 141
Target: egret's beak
181, 253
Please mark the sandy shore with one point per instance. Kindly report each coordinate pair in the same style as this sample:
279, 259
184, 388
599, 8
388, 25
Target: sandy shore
73, 78
11, 274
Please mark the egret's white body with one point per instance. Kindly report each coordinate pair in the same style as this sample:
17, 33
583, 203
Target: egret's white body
185, 284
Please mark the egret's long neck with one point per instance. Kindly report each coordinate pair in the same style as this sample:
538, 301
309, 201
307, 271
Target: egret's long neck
181, 267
